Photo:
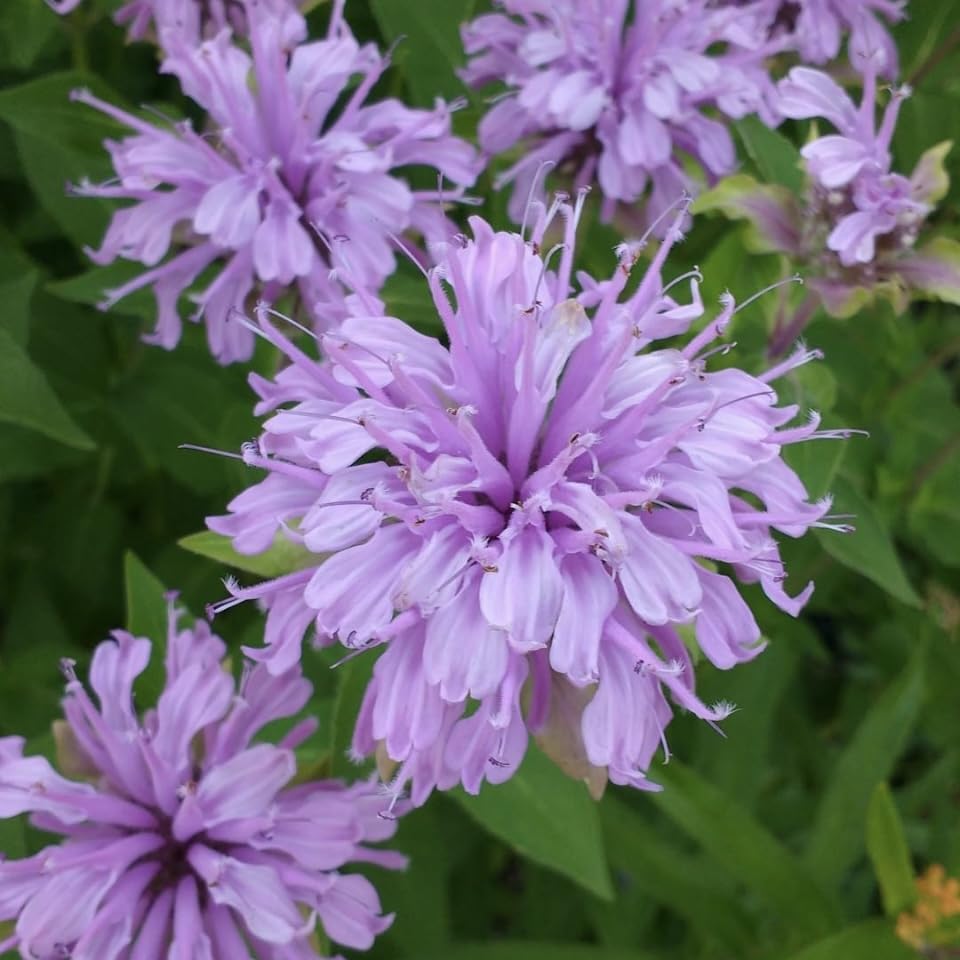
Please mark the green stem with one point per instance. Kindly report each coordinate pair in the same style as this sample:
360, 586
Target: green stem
935, 59
78, 43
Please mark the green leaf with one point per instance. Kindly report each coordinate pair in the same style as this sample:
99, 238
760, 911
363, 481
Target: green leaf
838, 834
934, 270
816, 464
745, 849
547, 817
934, 513
930, 181
889, 853
869, 550
284, 556
640, 854
146, 599
407, 296
27, 400
530, 950
434, 837
777, 159
147, 606
25, 454
13, 841
771, 210
58, 142
34, 639
16, 294
91, 286
873, 940
429, 47
182, 397
25, 28
354, 677
739, 764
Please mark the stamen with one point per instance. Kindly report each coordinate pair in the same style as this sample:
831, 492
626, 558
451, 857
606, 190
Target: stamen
748, 396
245, 673
796, 278
694, 274
827, 523
684, 512
212, 450
839, 434
356, 652
800, 356
541, 172
406, 250
721, 710
684, 201
498, 760
396, 791
68, 668
722, 350
266, 308
545, 265
446, 583
233, 588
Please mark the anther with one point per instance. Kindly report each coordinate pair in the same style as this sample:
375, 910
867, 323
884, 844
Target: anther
186, 789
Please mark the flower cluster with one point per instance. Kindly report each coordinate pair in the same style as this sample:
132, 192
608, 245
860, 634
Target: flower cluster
934, 920
854, 190
293, 184
815, 28
617, 92
546, 519
856, 232
176, 22
181, 837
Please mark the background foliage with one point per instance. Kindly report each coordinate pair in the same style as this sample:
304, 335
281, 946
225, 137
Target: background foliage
795, 837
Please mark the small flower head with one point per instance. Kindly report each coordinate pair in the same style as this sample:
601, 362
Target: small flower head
815, 29
855, 193
182, 837
524, 520
934, 921
293, 183
864, 219
616, 92
176, 22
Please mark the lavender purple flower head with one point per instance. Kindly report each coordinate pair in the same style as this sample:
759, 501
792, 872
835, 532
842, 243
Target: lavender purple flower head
815, 29
618, 92
558, 506
175, 22
856, 235
181, 837
287, 189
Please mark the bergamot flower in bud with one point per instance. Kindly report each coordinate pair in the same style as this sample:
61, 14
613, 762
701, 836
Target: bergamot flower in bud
181, 837
524, 521
617, 92
293, 182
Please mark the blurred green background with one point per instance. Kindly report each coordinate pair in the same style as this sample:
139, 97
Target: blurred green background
796, 837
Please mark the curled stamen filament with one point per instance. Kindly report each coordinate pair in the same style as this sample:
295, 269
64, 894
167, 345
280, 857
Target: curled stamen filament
796, 278
694, 274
